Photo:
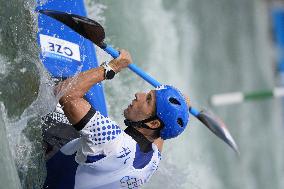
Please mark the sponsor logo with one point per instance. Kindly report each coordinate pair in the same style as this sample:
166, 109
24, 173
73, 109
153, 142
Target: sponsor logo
56, 117
58, 48
124, 153
131, 182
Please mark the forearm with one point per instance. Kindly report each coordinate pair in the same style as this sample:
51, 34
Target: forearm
77, 86
74, 88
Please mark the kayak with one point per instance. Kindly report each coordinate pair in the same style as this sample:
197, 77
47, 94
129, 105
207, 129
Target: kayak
64, 53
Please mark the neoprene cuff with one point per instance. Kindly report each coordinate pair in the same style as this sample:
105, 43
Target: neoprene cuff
82, 123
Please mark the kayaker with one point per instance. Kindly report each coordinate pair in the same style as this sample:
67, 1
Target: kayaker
107, 156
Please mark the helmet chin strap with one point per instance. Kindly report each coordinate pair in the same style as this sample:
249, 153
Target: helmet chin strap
142, 123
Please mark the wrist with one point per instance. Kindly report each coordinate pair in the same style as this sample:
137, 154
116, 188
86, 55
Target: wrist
114, 65
109, 72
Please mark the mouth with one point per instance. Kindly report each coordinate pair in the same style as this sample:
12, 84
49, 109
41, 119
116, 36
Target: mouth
128, 109
132, 103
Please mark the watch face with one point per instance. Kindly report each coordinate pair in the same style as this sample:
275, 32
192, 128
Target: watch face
110, 74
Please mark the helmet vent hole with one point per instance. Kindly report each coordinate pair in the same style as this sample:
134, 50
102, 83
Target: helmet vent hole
174, 101
180, 122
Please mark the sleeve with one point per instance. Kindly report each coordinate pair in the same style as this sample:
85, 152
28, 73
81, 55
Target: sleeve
99, 134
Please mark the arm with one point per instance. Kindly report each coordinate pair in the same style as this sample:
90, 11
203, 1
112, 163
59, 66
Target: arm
77, 86
74, 105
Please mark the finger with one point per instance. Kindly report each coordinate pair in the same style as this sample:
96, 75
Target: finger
120, 51
123, 53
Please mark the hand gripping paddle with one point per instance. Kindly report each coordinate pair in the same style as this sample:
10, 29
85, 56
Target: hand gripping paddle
93, 31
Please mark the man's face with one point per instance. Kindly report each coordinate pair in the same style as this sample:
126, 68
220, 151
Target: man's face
142, 107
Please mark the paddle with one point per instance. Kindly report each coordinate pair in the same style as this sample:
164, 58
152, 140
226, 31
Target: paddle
239, 97
93, 31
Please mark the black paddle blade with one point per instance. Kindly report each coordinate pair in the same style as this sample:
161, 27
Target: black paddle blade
86, 27
218, 127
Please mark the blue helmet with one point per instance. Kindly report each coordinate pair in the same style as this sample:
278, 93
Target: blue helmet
172, 110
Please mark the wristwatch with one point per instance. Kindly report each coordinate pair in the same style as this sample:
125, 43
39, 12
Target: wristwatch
109, 72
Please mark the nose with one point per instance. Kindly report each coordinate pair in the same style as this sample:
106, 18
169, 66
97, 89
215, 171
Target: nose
140, 96
136, 96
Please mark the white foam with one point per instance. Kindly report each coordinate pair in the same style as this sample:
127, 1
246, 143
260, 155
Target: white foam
4, 66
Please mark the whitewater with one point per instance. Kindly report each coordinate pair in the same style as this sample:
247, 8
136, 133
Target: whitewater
202, 47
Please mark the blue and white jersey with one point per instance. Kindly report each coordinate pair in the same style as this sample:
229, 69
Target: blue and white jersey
106, 157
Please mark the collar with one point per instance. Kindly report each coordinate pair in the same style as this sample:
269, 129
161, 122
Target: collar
144, 144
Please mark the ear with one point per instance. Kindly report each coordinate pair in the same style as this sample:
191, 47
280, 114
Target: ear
154, 124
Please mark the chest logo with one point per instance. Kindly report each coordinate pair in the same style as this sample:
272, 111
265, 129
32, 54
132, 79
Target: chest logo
131, 182
124, 154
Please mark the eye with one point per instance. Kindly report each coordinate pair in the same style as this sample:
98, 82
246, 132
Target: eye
148, 98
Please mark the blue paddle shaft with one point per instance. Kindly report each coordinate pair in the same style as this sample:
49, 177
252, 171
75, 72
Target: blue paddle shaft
194, 111
111, 51
114, 53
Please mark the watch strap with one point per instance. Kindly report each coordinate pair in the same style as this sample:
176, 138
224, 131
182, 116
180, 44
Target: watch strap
109, 73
